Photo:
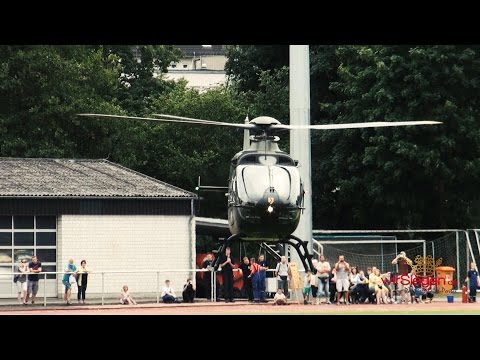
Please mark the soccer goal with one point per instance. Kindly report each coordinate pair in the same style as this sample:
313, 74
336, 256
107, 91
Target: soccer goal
368, 253
365, 248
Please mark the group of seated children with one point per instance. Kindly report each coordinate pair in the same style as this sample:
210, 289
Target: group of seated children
168, 294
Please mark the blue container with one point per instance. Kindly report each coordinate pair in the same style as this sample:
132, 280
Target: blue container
450, 298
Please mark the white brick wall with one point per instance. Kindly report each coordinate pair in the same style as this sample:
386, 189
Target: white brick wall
116, 242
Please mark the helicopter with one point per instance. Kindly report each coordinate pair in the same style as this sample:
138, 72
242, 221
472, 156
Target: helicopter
265, 191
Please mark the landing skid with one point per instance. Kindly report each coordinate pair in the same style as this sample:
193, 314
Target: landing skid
297, 243
305, 257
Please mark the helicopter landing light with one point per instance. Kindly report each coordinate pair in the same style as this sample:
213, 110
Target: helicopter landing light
270, 209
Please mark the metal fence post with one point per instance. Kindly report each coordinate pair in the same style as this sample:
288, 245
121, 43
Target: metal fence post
214, 297
212, 284
457, 244
158, 286
103, 288
44, 289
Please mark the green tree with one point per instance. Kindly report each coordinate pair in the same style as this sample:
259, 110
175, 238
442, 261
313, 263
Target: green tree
42, 88
180, 153
141, 70
400, 177
245, 63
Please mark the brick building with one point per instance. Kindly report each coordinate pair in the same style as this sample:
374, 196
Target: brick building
113, 217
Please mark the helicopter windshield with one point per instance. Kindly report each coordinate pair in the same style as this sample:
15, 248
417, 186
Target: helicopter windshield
253, 180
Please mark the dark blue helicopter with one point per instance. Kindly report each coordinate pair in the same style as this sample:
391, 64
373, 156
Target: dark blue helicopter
265, 191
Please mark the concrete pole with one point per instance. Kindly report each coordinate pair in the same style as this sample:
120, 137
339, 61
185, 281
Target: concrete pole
300, 145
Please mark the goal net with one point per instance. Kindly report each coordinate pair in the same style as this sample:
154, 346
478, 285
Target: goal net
451, 247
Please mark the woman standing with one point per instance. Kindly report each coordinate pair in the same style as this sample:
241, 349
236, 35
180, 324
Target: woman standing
22, 281
70, 270
82, 276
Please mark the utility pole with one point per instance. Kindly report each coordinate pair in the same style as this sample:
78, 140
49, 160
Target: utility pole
300, 144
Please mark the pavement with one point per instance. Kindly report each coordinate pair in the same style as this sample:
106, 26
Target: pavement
96, 303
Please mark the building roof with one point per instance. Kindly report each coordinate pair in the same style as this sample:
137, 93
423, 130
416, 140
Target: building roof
77, 178
201, 50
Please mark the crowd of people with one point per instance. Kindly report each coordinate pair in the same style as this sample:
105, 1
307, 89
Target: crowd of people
345, 283
338, 283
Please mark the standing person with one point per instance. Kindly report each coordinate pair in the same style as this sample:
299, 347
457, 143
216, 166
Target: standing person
342, 272
22, 281
247, 280
34, 267
207, 276
226, 262
70, 270
263, 276
404, 266
255, 269
472, 276
282, 272
307, 287
323, 275
314, 280
255, 276
82, 277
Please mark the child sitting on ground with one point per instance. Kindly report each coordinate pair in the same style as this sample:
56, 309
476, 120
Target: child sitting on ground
280, 298
125, 297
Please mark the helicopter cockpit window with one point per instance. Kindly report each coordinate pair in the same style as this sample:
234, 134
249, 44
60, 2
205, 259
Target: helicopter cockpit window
254, 180
250, 159
267, 160
285, 160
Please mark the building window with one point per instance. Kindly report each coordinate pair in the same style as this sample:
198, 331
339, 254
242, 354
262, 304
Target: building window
185, 66
21, 237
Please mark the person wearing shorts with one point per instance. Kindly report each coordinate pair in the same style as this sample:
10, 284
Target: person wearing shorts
22, 281
307, 287
343, 283
34, 267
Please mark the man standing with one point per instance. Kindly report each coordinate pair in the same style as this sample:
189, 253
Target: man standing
263, 277
323, 274
282, 273
247, 280
403, 283
472, 276
34, 268
226, 262
207, 276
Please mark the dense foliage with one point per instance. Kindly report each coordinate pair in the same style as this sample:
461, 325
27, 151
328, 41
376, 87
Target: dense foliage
372, 178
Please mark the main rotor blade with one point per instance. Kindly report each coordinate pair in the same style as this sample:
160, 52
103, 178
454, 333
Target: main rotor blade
186, 120
355, 125
207, 122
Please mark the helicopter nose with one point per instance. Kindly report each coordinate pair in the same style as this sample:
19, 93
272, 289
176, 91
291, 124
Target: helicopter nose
270, 200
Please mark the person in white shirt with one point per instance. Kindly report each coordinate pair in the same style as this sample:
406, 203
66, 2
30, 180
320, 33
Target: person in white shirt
323, 274
280, 298
282, 273
168, 295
